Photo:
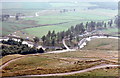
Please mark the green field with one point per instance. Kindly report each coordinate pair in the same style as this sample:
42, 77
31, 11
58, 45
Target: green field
49, 14
112, 31
71, 18
8, 28
102, 44
40, 31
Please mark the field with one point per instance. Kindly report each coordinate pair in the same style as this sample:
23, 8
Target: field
65, 62
49, 15
100, 72
56, 63
43, 17
102, 44
8, 58
71, 19
112, 31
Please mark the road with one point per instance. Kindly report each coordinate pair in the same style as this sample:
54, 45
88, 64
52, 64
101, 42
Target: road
10, 62
63, 41
62, 51
81, 44
70, 73
59, 51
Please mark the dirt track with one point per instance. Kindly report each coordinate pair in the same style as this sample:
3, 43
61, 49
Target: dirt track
69, 73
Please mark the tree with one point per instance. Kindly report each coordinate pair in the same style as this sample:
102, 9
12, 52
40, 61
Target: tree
49, 34
117, 21
47, 41
62, 34
81, 28
71, 37
53, 42
40, 50
59, 38
5, 17
36, 40
92, 25
110, 23
17, 17
21, 40
105, 25
43, 38
72, 29
53, 35
86, 26
67, 33
77, 39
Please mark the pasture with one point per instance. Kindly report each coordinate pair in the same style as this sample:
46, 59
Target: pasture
8, 58
59, 63
49, 13
102, 44
8, 27
68, 20
100, 73
112, 31
65, 62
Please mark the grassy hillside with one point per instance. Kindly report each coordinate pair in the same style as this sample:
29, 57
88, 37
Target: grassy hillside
100, 73
66, 62
8, 58
102, 44
56, 63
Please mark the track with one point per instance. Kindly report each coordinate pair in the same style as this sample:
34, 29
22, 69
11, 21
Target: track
69, 73
10, 62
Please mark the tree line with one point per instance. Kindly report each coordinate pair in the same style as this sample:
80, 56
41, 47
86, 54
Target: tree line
117, 21
15, 47
52, 38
